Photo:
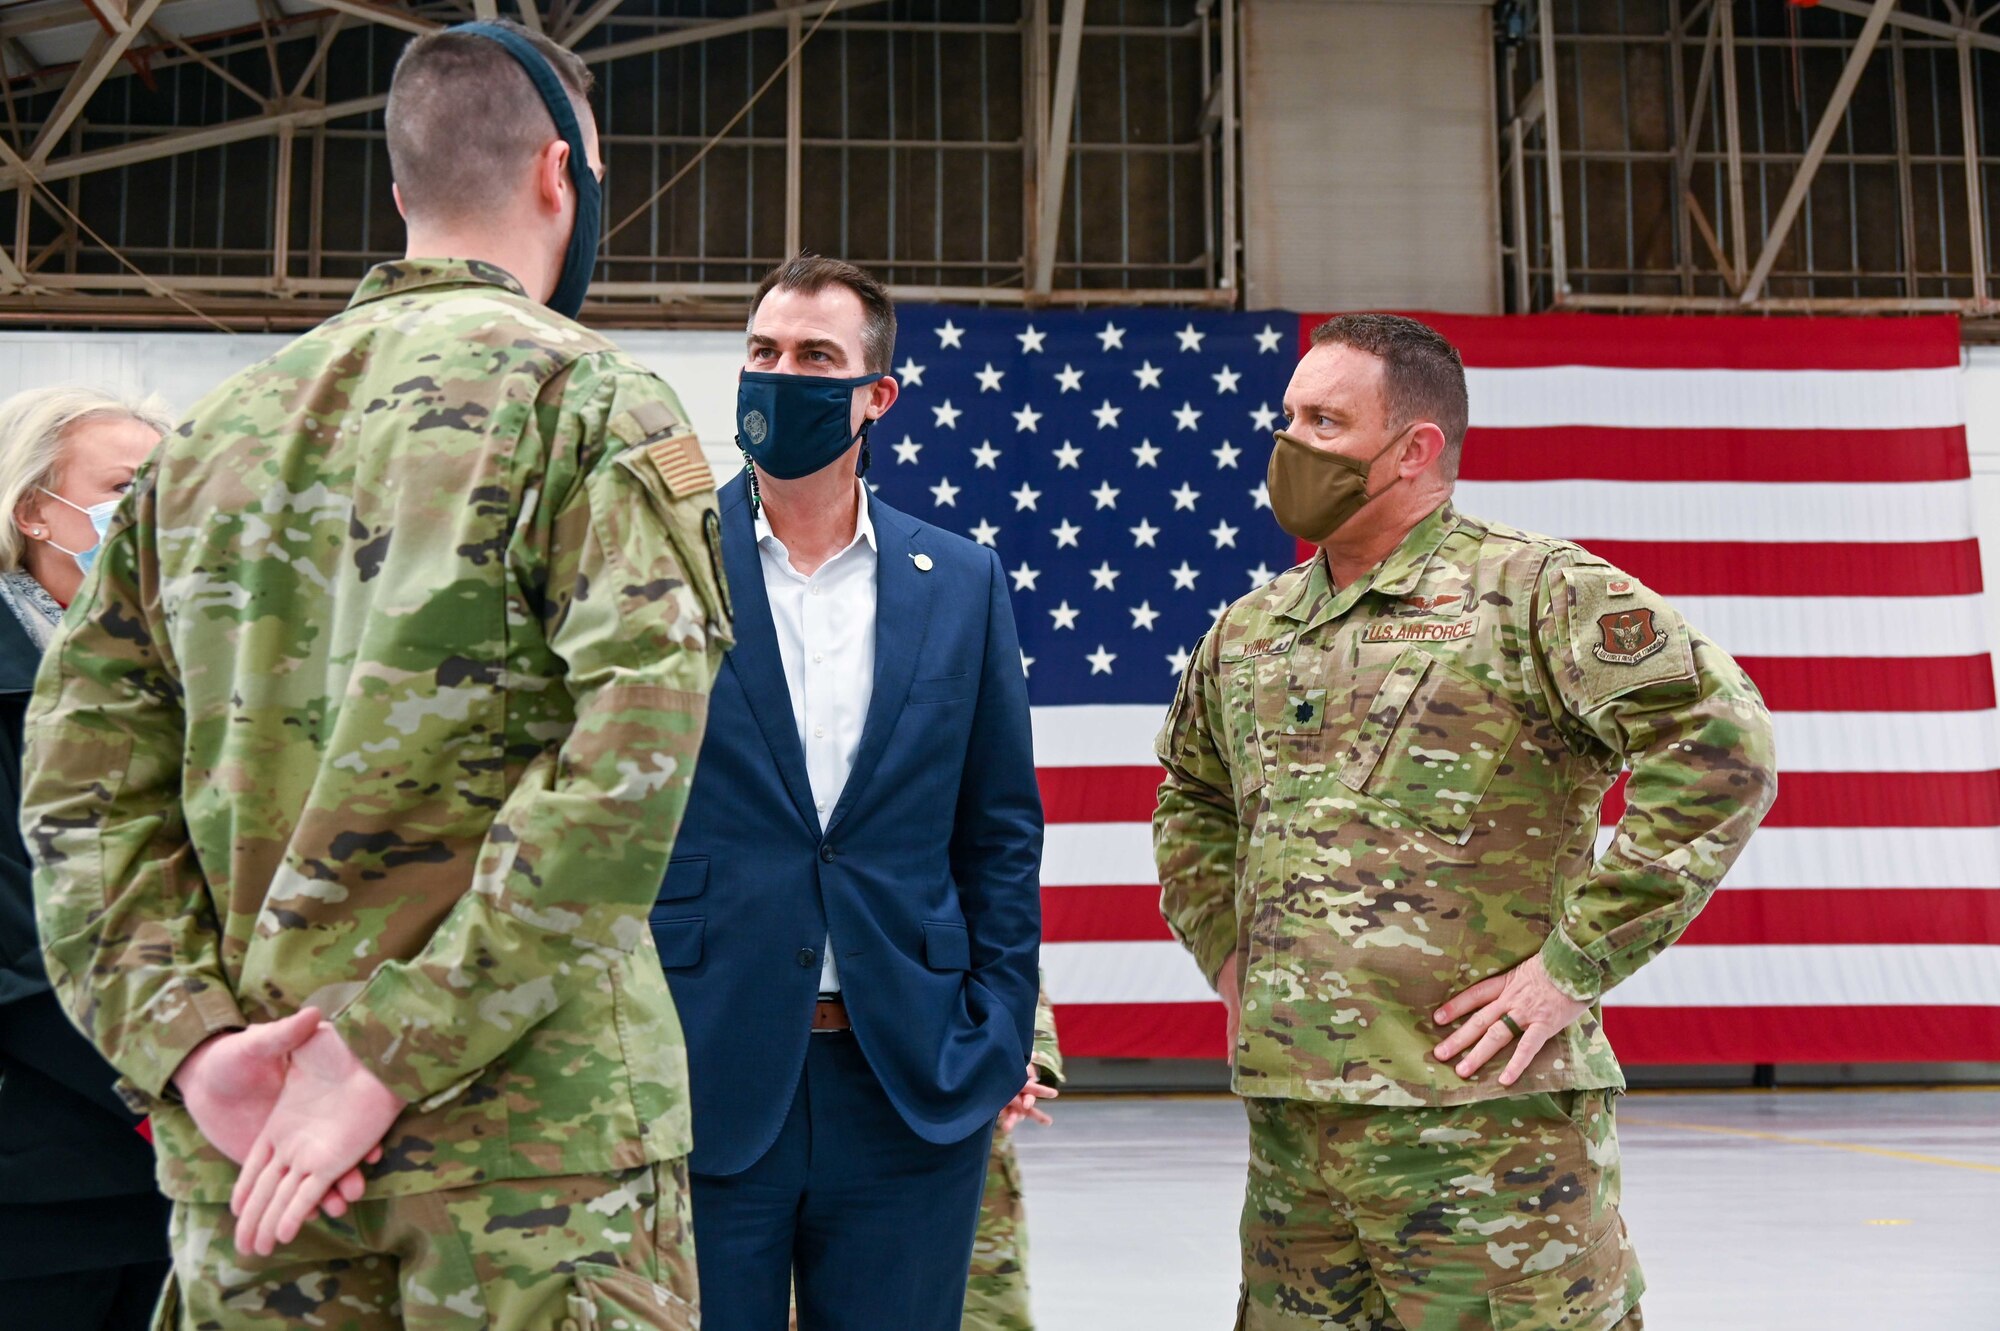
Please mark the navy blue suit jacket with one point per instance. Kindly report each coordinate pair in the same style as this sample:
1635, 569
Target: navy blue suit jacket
927, 875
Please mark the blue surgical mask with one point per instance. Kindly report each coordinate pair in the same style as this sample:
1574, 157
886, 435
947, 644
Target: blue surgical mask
792, 425
100, 522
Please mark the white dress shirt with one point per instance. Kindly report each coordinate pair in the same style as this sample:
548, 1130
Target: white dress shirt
826, 639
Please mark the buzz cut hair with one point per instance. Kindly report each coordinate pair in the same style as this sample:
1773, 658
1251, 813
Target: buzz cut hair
811, 274
1423, 378
464, 119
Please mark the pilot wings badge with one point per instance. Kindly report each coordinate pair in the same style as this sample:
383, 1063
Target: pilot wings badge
1630, 636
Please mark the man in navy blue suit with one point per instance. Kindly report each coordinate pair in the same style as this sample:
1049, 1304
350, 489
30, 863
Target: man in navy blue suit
852, 915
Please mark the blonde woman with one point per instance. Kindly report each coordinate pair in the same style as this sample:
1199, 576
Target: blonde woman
83, 1230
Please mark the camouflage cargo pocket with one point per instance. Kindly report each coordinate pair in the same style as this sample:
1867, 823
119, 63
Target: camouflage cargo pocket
1430, 744
1591, 1292
609, 1298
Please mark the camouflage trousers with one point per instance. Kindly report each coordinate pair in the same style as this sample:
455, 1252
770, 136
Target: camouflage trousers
579, 1253
1496, 1216
996, 1295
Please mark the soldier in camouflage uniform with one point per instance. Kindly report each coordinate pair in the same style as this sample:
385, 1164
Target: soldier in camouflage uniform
996, 1296
1378, 837
383, 702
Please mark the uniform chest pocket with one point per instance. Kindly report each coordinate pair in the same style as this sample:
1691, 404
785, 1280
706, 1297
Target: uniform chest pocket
1279, 711
1430, 743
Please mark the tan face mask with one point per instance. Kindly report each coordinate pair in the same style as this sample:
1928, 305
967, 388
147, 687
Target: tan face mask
1315, 492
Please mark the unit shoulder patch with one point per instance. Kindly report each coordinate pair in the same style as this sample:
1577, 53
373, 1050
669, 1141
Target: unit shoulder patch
1622, 636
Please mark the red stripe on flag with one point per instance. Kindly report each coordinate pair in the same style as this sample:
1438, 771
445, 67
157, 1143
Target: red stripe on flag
1728, 1035
1898, 1034
1579, 452
1873, 683
1760, 568
1103, 915
1805, 799
1868, 799
1806, 916
1843, 915
1670, 342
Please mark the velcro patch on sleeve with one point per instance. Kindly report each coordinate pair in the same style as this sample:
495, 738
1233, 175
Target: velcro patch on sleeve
1623, 636
678, 459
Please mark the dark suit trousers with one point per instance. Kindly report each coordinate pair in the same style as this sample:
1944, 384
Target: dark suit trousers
872, 1222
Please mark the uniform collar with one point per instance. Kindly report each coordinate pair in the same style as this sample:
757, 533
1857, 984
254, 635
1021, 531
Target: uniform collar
1316, 598
402, 276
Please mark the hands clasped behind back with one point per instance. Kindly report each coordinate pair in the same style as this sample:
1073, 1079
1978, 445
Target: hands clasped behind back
289, 1102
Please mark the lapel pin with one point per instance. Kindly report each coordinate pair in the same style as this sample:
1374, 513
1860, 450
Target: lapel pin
923, 563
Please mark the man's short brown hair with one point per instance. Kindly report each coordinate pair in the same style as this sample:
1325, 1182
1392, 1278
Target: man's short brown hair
464, 118
1423, 378
812, 274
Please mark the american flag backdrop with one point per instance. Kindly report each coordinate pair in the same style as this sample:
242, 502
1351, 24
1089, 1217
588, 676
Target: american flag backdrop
1799, 488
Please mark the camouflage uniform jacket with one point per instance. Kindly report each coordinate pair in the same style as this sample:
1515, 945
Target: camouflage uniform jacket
385, 696
1381, 794
1047, 1055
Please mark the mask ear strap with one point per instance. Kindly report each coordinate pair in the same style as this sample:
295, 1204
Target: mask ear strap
750, 479
861, 463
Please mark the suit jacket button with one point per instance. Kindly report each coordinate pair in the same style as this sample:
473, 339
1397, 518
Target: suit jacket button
826, 854
807, 957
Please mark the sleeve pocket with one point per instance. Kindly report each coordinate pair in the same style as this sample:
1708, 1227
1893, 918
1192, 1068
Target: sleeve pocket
686, 877
947, 947
678, 941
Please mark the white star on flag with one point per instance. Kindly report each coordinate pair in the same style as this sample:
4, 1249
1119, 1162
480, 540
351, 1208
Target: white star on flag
1024, 420
1105, 495
1184, 497
911, 373
1070, 378
1190, 337
1067, 455
1143, 616
1024, 577
1065, 615
947, 415
907, 450
986, 456
1261, 496
1263, 418
1226, 455
1030, 339
986, 533
1224, 534
1227, 380
1027, 663
1148, 375
1184, 576
1112, 336
1148, 454
1178, 661
1186, 417
1104, 578
1268, 339
1100, 660
950, 335
1260, 575
944, 494
1107, 415
1025, 497
989, 378
1144, 533
1066, 534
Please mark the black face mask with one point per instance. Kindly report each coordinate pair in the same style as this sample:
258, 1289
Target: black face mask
581, 257
792, 425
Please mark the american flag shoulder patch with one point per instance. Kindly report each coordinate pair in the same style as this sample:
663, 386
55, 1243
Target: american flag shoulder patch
680, 464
